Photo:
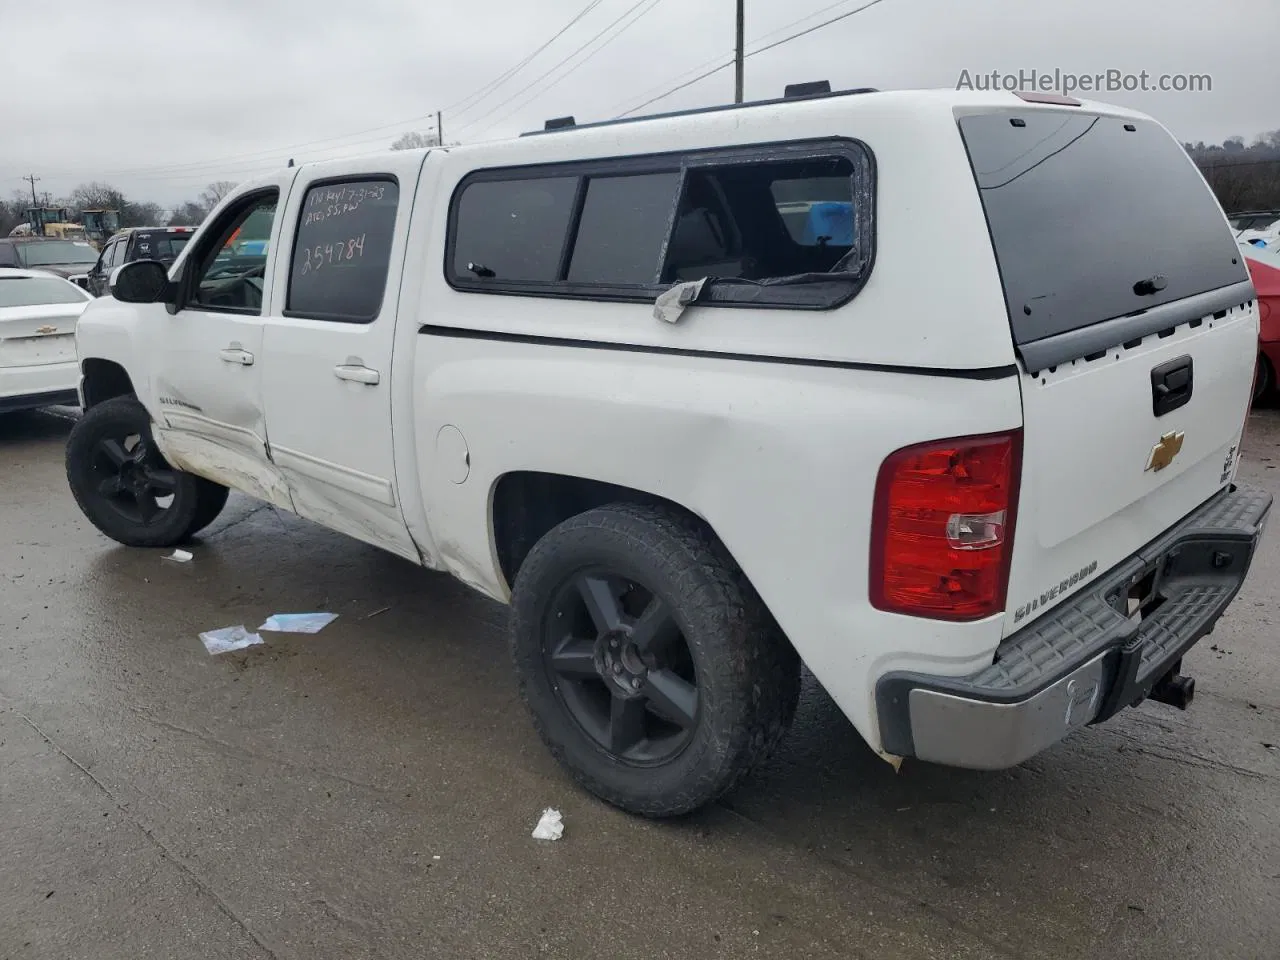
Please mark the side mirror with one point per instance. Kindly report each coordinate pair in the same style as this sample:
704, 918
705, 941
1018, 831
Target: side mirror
142, 281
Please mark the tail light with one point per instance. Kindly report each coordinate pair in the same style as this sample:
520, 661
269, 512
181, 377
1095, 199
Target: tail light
942, 527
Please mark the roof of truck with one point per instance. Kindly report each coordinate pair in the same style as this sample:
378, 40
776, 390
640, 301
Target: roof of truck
713, 126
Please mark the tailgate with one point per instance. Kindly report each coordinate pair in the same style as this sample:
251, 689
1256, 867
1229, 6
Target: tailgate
1136, 330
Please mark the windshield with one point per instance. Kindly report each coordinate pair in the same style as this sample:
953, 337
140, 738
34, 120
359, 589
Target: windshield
56, 251
33, 291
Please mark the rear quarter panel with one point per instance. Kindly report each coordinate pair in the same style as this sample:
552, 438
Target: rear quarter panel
780, 460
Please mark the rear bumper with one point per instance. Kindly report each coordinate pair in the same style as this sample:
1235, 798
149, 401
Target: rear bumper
33, 401
46, 385
1085, 659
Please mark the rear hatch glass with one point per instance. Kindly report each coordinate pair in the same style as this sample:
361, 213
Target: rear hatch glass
1083, 207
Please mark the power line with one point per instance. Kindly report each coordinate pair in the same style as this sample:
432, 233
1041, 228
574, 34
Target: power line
512, 71
758, 50
554, 83
222, 162
234, 159
815, 27
631, 9
660, 86
1207, 164
728, 53
687, 83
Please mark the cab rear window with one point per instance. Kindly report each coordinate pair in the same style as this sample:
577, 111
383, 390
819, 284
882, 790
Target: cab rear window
1093, 217
160, 246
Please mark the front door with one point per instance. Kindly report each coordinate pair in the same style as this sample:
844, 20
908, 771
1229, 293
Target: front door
209, 353
328, 346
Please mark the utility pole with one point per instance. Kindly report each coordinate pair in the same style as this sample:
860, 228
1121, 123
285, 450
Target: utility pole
440, 127
738, 56
32, 179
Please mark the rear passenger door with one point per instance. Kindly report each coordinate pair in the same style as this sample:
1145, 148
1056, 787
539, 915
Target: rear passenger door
328, 346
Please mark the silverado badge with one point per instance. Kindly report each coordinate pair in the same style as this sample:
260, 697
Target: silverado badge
1162, 453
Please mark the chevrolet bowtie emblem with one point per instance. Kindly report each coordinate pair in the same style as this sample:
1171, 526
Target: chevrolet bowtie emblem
1162, 453
46, 330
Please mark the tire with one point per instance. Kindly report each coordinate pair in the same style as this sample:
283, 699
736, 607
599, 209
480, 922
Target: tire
126, 488
213, 498
1264, 380
691, 642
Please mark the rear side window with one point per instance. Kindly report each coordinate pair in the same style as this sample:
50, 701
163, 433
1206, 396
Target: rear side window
1085, 210
789, 225
624, 222
513, 229
342, 251
732, 224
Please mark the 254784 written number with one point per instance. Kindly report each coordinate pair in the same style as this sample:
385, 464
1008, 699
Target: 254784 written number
323, 254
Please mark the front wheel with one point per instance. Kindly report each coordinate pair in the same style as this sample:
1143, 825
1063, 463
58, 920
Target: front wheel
126, 488
652, 669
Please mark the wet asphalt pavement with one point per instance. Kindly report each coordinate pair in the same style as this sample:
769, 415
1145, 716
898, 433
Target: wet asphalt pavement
369, 791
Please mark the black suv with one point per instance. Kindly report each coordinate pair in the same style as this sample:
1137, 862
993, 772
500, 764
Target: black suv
137, 243
71, 259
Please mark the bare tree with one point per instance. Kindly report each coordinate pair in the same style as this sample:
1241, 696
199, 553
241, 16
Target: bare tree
189, 214
1243, 177
212, 195
413, 140
97, 195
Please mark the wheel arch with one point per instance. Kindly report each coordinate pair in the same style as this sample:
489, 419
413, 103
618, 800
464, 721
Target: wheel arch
526, 504
103, 379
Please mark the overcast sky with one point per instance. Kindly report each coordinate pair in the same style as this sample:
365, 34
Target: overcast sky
161, 96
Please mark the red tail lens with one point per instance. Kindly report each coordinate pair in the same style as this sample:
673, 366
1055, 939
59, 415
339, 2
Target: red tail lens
942, 527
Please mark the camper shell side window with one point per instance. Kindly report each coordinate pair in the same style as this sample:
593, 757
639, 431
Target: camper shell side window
783, 225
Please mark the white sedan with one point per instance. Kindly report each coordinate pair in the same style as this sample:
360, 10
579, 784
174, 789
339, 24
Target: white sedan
38, 315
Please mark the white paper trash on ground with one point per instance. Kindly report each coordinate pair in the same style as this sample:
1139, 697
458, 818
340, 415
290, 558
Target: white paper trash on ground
179, 556
228, 639
298, 622
550, 826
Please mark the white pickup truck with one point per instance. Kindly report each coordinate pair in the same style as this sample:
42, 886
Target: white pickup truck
693, 397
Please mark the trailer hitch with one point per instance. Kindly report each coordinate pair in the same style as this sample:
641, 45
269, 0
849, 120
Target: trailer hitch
1174, 689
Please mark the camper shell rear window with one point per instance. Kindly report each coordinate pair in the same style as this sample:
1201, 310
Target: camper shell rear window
1093, 217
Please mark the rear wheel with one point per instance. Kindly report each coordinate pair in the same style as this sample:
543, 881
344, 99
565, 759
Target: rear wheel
652, 669
126, 488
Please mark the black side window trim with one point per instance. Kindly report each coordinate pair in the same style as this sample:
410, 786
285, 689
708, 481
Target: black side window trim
304, 190
195, 265
842, 287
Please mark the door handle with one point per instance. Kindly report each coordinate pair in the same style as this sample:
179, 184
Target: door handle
236, 354
357, 373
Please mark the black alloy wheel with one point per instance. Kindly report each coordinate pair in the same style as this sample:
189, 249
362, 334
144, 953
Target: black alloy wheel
623, 668
134, 479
